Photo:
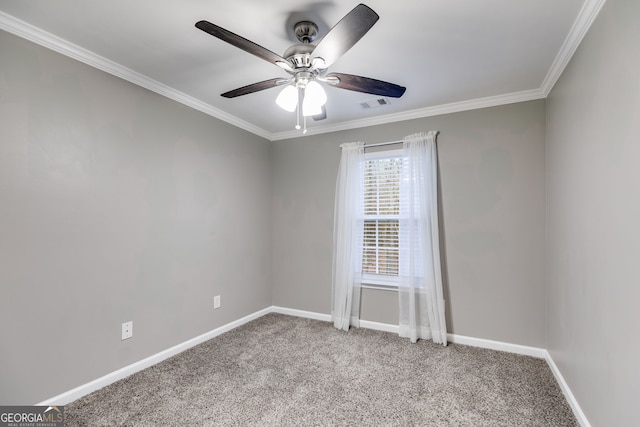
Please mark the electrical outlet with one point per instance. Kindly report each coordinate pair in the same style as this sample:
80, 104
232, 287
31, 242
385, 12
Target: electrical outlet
216, 301
127, 330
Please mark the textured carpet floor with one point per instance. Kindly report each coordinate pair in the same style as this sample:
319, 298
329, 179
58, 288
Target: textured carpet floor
285, 371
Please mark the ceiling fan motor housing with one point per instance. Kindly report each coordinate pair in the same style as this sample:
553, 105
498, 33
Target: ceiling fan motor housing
299, 55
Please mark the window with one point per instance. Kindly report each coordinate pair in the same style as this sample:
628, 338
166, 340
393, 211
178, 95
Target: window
380, 252
386, 234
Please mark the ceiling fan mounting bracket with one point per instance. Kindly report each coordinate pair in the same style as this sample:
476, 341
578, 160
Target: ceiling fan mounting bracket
305, 31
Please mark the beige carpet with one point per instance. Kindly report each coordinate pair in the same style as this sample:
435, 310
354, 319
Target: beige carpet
286, 371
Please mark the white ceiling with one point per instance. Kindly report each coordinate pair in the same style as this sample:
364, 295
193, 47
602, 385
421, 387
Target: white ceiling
451, 55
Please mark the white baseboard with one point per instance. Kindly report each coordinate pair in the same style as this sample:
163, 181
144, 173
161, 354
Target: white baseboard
301, 313
540, 353
456, 339
385, 327
571, 399
83, 390
367, 324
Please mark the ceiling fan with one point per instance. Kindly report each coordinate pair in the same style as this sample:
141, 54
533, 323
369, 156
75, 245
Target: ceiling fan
307, 64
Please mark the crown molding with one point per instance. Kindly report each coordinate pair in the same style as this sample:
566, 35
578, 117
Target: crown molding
581, 25
437, 110
585, 18
43, 38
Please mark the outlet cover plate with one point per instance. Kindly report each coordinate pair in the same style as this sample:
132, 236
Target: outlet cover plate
127, 330
216, 301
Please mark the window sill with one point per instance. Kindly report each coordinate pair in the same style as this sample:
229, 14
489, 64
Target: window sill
379, 286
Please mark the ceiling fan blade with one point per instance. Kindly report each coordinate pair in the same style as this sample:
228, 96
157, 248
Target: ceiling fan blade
242, 43
365, 84
255, 87
345, 34
320, 116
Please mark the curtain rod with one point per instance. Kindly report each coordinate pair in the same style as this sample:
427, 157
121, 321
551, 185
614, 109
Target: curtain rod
380, 144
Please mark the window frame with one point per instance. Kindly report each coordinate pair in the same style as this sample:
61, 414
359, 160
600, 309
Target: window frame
372, 280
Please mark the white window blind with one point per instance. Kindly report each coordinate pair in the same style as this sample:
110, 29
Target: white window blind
380, 254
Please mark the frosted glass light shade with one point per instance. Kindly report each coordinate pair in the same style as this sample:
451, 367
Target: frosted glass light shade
314, 98
310, 109
288, 98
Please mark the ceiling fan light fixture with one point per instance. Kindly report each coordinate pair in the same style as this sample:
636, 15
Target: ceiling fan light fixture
314, 98
311, 109
288, 98
315, 93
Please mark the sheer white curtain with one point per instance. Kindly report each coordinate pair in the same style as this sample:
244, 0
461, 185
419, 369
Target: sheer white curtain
420, 291
347, 237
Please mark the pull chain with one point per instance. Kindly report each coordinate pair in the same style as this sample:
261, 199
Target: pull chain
299, 107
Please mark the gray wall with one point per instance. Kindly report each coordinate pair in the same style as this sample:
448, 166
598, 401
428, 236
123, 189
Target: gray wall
492, 179
116, 204
593, 238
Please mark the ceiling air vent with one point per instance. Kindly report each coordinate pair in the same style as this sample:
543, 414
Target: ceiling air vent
379, 102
